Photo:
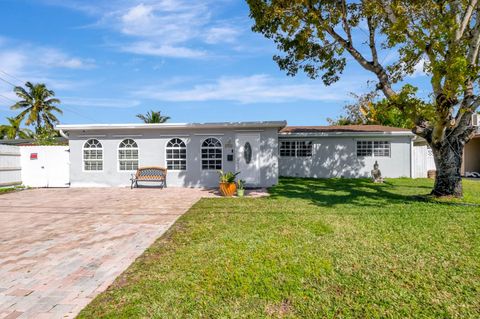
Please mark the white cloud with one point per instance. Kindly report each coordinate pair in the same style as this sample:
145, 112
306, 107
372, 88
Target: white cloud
99, 102
163, 28
162, 21
149, 48
249, 89
419, 69
221, 34
57, 59
26, 62
169, 28
12, 61
16, 58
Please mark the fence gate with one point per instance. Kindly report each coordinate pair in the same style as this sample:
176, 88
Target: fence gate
45, 166
10, 169
423, 161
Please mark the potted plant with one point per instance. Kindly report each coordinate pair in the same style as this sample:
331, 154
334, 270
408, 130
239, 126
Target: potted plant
228, 187
240, 188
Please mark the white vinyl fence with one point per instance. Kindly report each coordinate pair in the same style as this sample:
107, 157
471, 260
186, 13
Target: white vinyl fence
422, 160
45, 166
10, 168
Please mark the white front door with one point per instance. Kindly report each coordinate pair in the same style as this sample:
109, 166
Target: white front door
247, 147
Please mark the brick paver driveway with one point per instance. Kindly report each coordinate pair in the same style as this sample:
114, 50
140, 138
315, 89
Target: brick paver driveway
59, 248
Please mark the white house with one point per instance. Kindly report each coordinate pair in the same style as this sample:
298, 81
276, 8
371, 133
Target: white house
107, 155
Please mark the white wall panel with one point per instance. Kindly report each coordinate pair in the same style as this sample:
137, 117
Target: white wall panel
10, 169
50, 168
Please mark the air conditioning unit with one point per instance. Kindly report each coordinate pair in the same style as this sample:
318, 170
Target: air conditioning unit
476, 119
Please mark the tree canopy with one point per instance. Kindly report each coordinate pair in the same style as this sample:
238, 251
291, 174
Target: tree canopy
318, 38
367, 109
153, 117
38, 105
12, 130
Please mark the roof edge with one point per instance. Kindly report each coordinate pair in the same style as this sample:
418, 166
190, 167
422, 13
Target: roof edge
345, 134
263, 124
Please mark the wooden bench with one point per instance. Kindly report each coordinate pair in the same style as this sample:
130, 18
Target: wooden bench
150, 174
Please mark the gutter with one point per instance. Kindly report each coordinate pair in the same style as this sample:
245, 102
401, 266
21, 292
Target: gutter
62, 133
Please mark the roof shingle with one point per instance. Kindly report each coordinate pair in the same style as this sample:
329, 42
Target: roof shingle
342, 128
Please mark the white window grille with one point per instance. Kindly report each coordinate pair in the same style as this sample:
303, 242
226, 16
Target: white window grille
176, 155
211, 154
295, 148
373, 149
128, 155
92, 155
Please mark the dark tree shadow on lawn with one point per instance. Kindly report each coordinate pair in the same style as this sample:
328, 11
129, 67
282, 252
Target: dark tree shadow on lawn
336, 191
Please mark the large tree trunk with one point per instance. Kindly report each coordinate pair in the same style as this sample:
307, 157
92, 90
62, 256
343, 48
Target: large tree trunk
448, 157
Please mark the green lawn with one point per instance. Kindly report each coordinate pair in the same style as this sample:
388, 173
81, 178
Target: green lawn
335, 248
4, 190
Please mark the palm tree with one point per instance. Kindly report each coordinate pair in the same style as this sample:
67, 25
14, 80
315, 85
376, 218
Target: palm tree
37, 105
13, 130
153, 117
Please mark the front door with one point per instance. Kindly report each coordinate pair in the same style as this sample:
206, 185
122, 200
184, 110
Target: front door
247, 147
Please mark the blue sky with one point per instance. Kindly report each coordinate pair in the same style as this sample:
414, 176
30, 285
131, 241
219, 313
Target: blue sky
195, 60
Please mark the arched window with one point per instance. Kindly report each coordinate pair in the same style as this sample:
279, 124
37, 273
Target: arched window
211, 154
176, 155
92, 155
128, 155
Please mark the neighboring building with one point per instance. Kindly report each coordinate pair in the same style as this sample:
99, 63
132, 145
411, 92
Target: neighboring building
424, 161
471, 157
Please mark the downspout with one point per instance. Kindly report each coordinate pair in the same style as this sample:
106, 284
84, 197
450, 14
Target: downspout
411, 158
63, 134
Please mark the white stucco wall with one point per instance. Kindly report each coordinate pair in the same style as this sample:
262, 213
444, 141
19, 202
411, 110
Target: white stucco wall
336, 157
151, 144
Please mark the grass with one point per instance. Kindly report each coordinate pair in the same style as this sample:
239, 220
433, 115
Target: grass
333, 248
4, 190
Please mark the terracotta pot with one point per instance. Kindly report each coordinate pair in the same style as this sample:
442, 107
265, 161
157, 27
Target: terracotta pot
228, 189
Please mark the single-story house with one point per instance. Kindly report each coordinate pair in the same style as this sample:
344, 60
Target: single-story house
107, 155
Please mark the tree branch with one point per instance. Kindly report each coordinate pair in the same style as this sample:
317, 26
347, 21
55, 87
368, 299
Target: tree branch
436, 80
424, 131
465, 20
345, 25
371, 42
474, 45
464, 115
370, 66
